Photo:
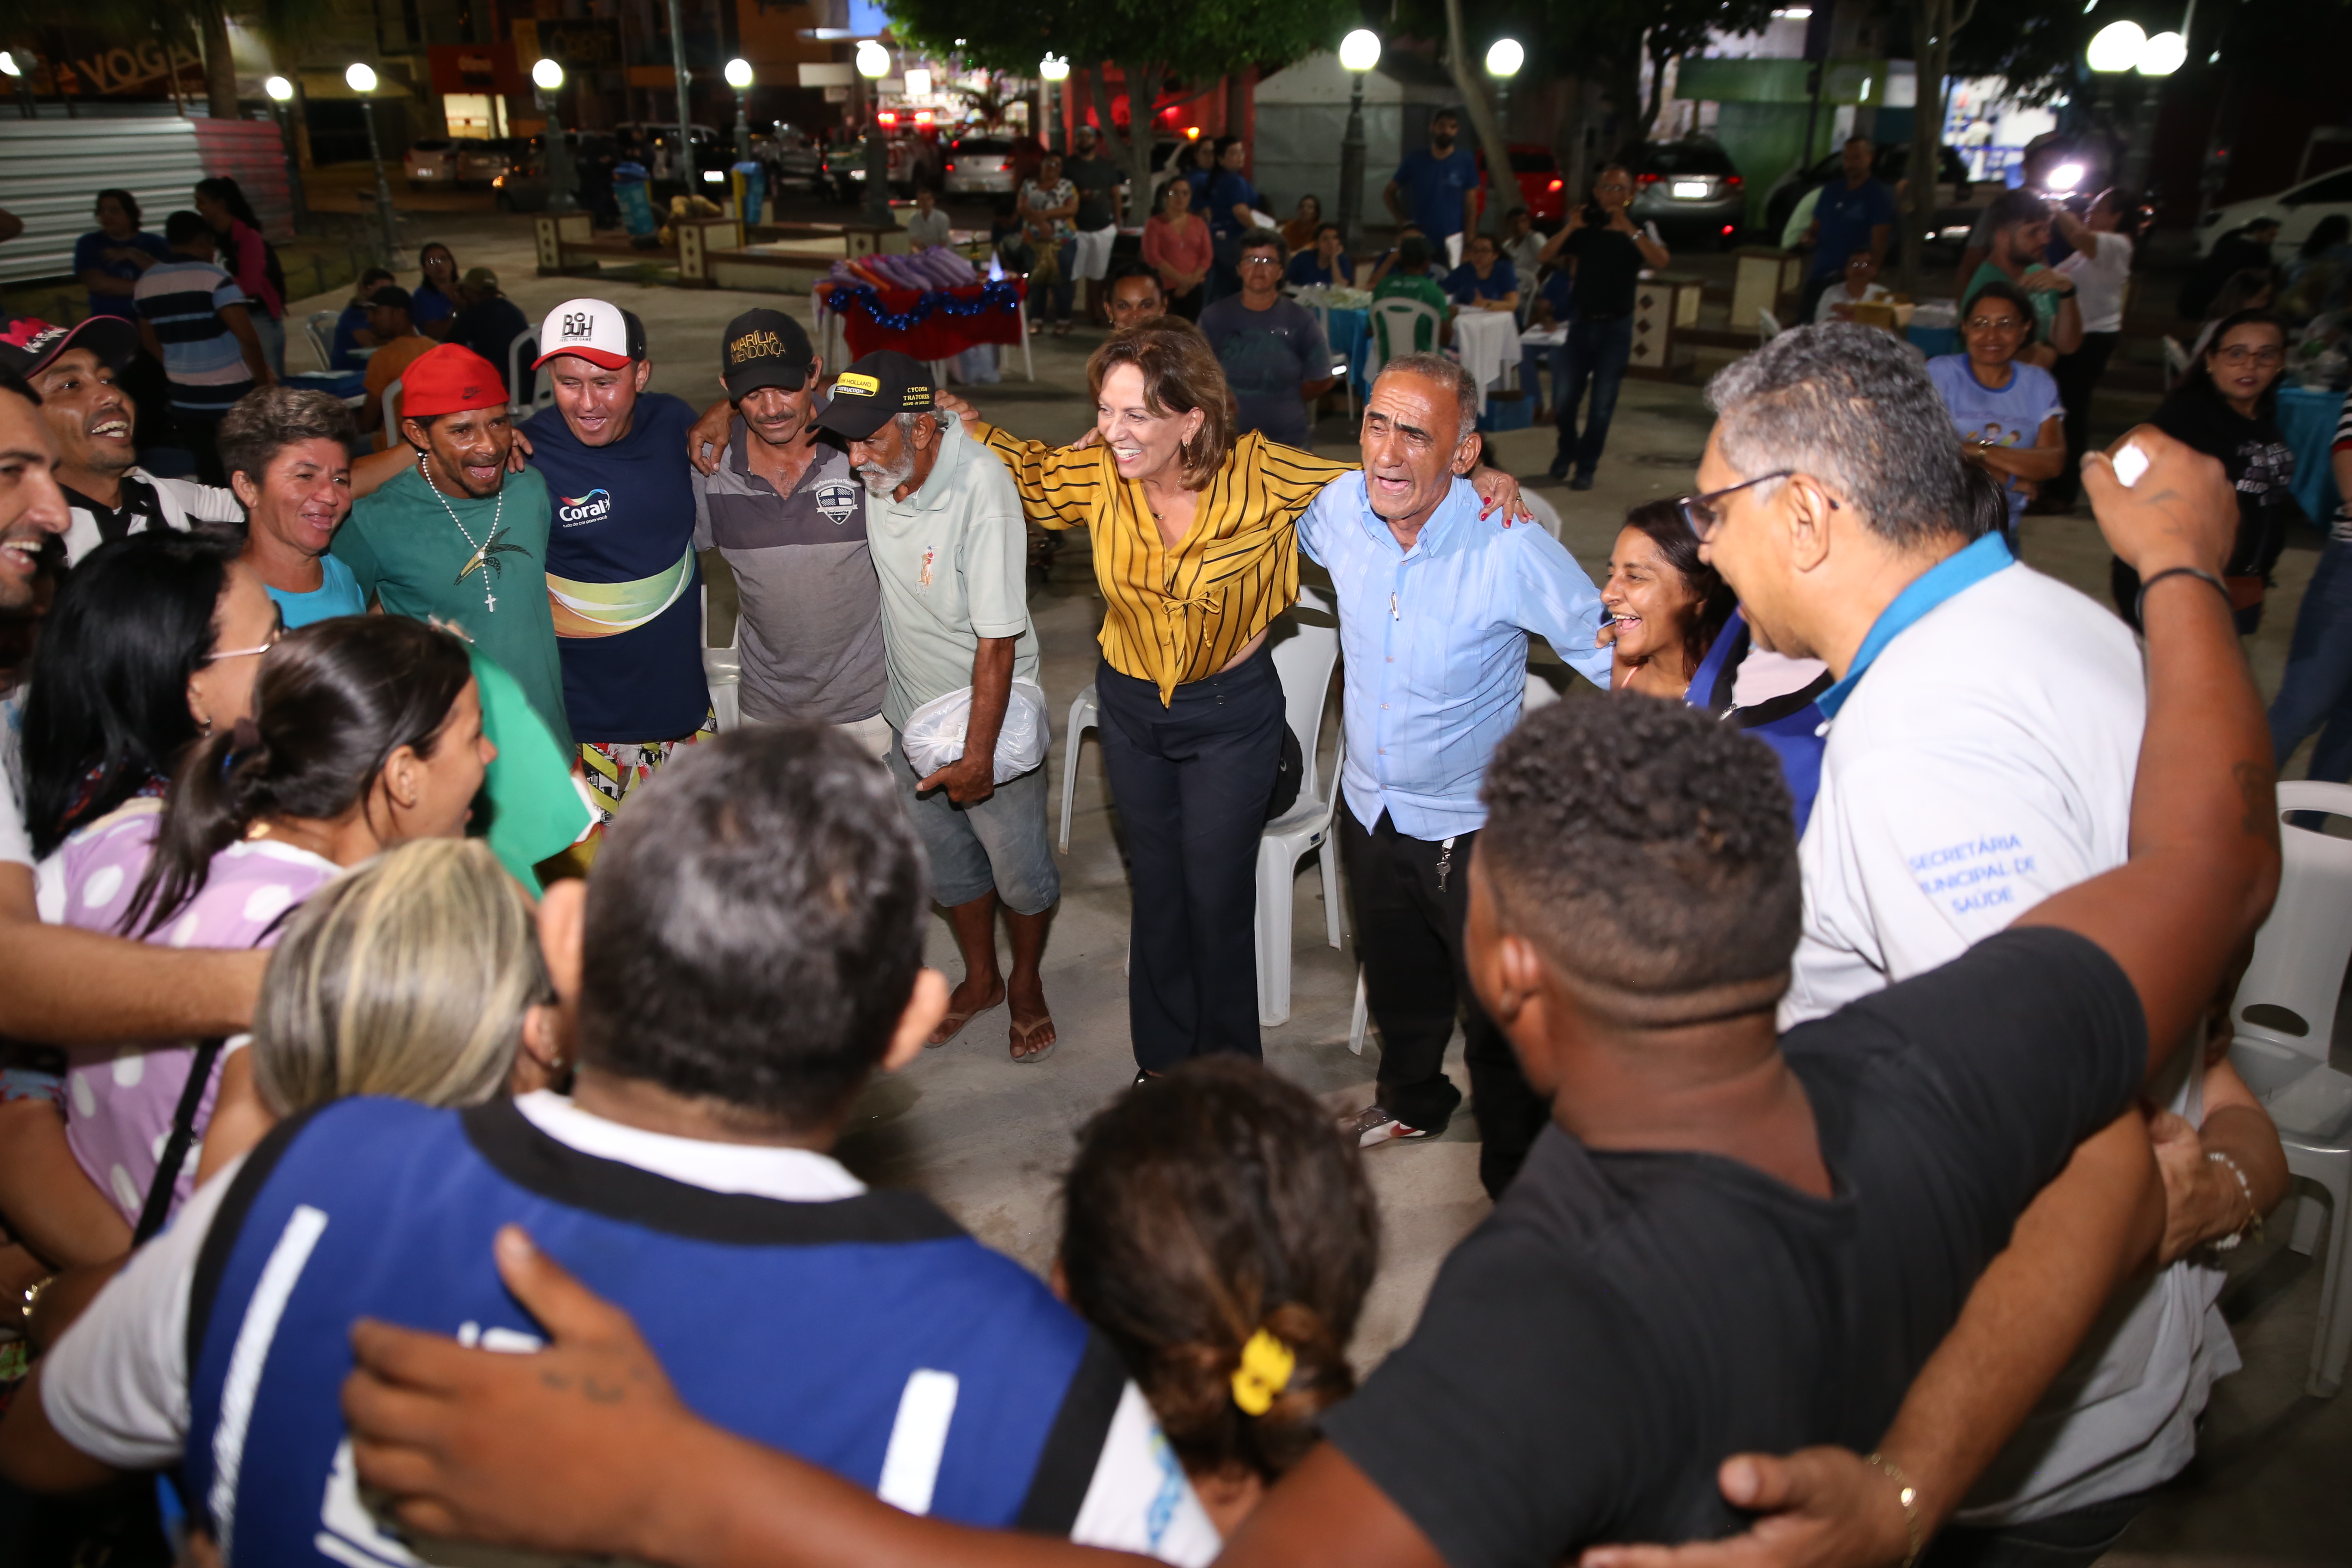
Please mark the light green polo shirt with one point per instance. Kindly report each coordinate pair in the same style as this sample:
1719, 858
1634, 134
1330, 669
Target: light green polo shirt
953, 559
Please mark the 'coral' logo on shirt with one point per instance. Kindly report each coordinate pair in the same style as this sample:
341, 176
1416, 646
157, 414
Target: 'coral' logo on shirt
836, 500
593, 507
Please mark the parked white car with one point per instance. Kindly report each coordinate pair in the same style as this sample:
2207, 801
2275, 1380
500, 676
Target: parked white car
2298, 210
433, 160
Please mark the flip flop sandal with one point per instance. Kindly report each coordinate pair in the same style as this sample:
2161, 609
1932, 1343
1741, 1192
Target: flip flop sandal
1020, 1036
953, 1024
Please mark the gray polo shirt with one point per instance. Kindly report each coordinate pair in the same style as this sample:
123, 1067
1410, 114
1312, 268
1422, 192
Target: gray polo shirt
811, 626
953, 559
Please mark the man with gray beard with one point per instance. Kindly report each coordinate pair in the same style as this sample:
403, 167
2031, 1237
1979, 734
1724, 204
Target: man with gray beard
944, 523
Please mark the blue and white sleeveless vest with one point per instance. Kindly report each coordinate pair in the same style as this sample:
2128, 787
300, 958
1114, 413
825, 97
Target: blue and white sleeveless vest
871, 1335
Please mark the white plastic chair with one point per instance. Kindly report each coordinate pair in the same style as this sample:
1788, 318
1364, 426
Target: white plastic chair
1303, 660
1768, 326
2176, 362
1085, 714
320, 326
1540, 692
2283, 1017
1546, 513
390, 419
519, 354
1397, 320
722, 670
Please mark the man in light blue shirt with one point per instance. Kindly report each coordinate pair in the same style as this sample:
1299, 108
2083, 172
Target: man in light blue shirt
1436, 607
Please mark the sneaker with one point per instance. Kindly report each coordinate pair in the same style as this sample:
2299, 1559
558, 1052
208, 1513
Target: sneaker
1373, 1125
1558, 471
1582, 482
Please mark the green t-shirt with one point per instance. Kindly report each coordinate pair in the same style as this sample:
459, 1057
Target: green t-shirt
406, 554
534, 811
2046, 304
1411, 286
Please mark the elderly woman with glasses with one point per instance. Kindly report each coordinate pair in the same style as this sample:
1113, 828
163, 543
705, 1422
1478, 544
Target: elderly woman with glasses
1275, 356
2228, 409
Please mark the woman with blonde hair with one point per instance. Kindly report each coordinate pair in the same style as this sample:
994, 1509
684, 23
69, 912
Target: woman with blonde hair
418, 975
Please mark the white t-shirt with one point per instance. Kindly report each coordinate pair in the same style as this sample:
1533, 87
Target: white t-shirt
116, 1385
2099, 278
16, 844
1839, 294
1983, 763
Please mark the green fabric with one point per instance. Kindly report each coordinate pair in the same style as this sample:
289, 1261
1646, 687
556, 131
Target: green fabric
2046, 304
1411, 286
407, 554
535, 812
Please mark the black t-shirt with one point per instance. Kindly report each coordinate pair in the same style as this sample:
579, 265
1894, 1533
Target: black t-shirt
489, 328
1608, 264
1624, 1322
1096, 178
2257, 461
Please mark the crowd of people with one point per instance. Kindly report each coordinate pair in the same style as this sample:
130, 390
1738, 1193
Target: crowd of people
407, 973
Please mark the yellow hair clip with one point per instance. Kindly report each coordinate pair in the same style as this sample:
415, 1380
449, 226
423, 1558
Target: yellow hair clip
1264, 1371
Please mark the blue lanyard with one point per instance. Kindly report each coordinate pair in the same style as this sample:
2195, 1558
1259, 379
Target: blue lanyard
1949, 578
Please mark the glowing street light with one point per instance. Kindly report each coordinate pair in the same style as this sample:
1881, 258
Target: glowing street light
2163, 54
546, 82
1055, 70
281, 94
1504, 58
2115, 48
873, 64
1359, 51
738, 77
361, 79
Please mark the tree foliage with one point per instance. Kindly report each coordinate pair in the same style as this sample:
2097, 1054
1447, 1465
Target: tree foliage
1151, 44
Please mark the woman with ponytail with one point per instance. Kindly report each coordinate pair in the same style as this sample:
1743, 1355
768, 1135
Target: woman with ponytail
1221, 1236
365, 733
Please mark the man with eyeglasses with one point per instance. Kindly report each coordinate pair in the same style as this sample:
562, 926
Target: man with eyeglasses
1605, 255
1984, 731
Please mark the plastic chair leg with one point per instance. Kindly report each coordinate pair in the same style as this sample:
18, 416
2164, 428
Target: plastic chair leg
1360, 1023
1275, 867
1330, 854
2334, 1336
1083, 713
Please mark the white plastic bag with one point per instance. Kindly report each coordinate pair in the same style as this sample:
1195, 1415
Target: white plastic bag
934, 733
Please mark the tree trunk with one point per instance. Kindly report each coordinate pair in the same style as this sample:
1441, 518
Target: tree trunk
1482, 121
1623, 85
220, 70
1133, 148
1933, 23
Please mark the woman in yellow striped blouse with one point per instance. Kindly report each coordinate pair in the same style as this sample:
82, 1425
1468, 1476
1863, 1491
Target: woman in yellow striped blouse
1194, 532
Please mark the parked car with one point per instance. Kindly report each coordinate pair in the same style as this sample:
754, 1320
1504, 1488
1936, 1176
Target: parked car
796, 157
479, 164
990, 166
2298, 210
844, 167
1960, 200
433, 160
1543, 190
1689, 188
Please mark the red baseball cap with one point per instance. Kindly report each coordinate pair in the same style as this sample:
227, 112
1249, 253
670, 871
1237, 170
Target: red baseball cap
450, 380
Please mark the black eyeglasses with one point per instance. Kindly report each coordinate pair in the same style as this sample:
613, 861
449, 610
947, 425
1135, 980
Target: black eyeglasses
1698, 512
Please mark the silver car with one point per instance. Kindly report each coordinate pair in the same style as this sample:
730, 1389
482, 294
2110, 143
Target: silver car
983, 166
1691, 189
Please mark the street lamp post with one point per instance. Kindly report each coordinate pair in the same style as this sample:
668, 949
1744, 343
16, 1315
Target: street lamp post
361, 80
281, 93
873, 64
738, 77
2121, 46
1054, 70
14, 72
1359, 51
685, 131
1504, 58
546, 82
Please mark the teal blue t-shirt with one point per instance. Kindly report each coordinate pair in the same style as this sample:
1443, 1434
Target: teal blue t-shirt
338, 595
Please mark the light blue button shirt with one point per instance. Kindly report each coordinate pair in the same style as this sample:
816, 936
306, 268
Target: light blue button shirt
1435, 645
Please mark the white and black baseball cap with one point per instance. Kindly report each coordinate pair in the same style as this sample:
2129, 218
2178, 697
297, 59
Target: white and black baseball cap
597, 329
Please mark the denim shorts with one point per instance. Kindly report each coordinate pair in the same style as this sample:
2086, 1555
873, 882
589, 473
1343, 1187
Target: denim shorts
999, 843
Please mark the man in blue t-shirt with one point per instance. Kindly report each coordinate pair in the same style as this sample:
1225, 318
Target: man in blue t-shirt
1854, 212
622, 575
1437, 188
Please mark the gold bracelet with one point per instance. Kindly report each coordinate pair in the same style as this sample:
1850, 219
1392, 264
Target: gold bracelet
1908, 1496
33, 1295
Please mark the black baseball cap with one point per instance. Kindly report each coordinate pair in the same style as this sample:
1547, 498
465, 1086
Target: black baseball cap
873, 391
29, 344
392, 297
764, 348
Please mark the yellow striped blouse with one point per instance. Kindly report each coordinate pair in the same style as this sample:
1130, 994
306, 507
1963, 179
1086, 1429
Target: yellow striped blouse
1178, 615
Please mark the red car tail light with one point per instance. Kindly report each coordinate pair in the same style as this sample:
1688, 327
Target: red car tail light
1646, 179
1733, 181
1556, 184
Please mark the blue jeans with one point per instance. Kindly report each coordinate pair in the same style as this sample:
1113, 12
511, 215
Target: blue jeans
2317, 691
1531, 367
1596, 351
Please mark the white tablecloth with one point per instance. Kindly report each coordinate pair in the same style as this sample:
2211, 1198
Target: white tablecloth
1487, 344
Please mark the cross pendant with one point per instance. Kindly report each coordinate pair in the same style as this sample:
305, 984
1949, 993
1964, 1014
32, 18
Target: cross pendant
490, 601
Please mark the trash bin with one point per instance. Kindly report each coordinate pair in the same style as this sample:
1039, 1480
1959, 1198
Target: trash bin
637, 206
750, 182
